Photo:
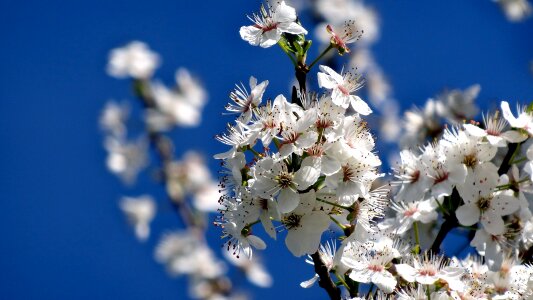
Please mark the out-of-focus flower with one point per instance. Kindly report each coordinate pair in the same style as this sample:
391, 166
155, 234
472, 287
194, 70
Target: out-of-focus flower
126, 158
515, 10
184, 253
113, 119
191, 176
134, 60
457, 106
180, 106
270, 24
140, 211
253, 269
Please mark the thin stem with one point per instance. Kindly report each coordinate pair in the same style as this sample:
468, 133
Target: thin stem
342, 281
417, 238
257, 154
335, 204
319, 57
520, 160
444, 210
288, 54
338, 223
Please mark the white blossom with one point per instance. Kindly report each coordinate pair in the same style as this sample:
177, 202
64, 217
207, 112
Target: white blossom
342, 85
270, 24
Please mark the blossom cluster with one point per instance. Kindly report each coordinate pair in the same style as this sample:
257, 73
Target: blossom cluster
310, 160
309, 164
190, 188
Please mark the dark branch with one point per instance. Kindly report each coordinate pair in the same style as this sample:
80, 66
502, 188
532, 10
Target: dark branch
506, 164
324, 280
527, 256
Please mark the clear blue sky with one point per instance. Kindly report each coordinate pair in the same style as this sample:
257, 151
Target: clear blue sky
62, 234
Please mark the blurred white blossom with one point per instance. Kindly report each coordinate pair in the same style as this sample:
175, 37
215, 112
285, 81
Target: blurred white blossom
134, 60
140, 212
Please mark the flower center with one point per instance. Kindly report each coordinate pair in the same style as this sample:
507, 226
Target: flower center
315, 151
263, 203
493, 132
323, 123
268, 25
441, 177
410, 212
483, 203
427, 271
375, 268
347, 172
415, 176
292, 221
284, 180
470, 160
344, 90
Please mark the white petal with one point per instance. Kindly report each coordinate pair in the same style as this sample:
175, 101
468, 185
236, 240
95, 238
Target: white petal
299, 242
497, 141
519, 122
269, 38
284, 13
267, 224
293, 28
307, 139
474, 130
492, 223
288, 200
514, 136
385, 281
337, 78
307, 203
310, 282
330, 165
360, 106
325, 81
406, 271
286, 150
306, 176
256, 242
468, 214
251, 34
504, 204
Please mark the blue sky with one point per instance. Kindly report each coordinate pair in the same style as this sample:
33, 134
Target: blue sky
62, 234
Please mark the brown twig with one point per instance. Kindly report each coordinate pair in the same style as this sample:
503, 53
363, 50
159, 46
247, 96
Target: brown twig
324, 280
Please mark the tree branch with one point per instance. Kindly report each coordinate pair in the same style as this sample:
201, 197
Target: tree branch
507, 159
324, 280
527, 256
